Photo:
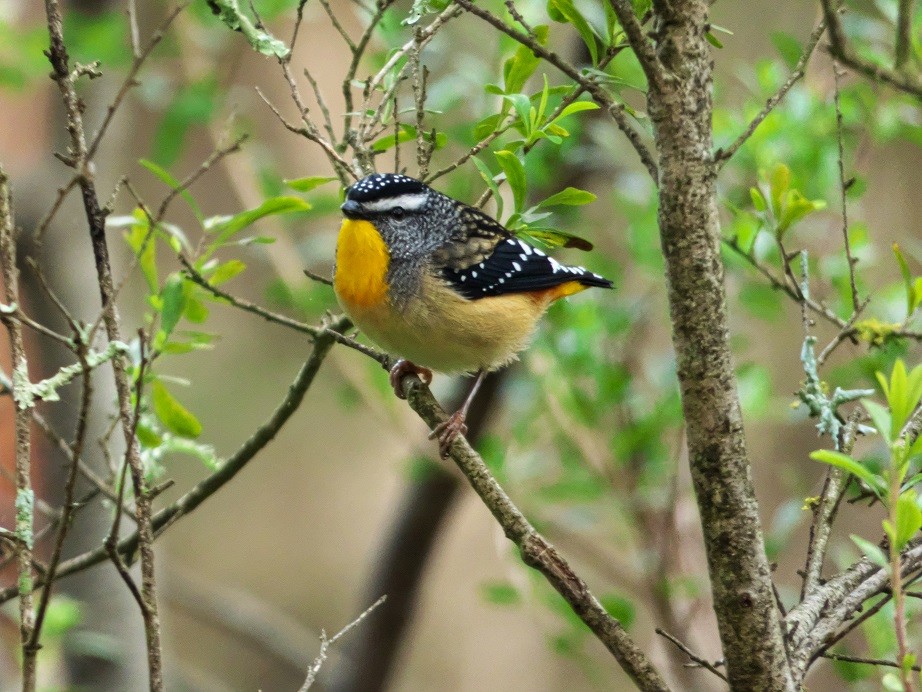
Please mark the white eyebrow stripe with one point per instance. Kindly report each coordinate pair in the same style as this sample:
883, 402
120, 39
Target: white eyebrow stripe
411, 201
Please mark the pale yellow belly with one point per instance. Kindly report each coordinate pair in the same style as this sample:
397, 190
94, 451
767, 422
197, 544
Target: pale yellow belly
449, 333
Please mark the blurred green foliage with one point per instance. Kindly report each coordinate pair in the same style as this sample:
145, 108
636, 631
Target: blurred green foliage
592, 443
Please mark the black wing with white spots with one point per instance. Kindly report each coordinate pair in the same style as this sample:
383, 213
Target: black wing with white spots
514, 266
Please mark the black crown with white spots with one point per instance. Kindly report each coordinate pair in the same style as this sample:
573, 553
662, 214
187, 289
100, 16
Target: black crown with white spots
517, 267
382, 185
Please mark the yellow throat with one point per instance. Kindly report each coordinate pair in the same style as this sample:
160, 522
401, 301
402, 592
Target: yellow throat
361, 264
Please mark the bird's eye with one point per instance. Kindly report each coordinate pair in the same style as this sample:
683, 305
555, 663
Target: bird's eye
398, 212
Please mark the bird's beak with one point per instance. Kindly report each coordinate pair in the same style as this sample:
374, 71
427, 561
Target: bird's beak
351, 208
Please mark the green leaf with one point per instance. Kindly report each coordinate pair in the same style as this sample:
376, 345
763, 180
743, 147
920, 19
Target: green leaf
620, 608
195, 311
565, 11
779, 183
758, 200
174, 300
229, 12
488, 125
872, 551
148, 437
225, 227
522, 64
881, 417
846, 463
407, 133
173, 184
257, 240
552, 238
788, 48
569, 196
309, 183
501, 593
576, 107
713, 40
487, 176
193, 104
62, 615
515, 176
908, 519
175, 417
226, 271
522, 105
140, 239
912, 295
794, 207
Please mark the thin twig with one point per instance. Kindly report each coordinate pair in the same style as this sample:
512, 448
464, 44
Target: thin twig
824, 512
536, 551
697, 660
721, 156
643, 49
846, 332
25, 496
231, 467
336, 25
111, 542
846, 54
46, 220
277, 318
381, 7
902, 49
131, 78
321, 104
67, 511
95, 216
867, 661
219, 153
843, 188
614, 109
319, 278
326, 643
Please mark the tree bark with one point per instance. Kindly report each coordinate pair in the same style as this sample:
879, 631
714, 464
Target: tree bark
680, 105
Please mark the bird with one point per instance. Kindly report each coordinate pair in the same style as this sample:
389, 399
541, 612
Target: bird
442, 285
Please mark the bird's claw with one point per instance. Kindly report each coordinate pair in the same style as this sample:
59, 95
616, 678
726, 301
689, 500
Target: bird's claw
447, 431
401, 369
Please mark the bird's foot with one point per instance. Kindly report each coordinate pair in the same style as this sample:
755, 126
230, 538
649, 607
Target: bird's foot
401, 369
448, 430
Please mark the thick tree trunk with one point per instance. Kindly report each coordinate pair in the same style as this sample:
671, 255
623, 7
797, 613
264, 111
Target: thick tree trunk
680, 107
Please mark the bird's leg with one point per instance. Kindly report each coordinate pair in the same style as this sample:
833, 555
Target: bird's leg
401, 369
454, 425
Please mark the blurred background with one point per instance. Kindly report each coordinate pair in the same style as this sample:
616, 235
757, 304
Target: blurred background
585, 433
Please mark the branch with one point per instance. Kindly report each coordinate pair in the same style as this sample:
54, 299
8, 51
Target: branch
79, 160
404, 554
844, 53
130, 79
697, 660
903, 47
867, 661
643, 49
814, 624
67, 511
325, 644
843, 189
599, 95
536, 551
824, 514
721, 156
234, 464
25, 497
741, 583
